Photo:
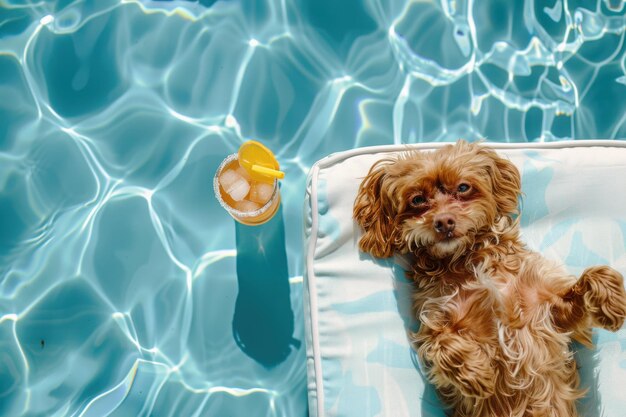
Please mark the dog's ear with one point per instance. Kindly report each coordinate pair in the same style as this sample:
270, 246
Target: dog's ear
373, 211
506, 182
507, 186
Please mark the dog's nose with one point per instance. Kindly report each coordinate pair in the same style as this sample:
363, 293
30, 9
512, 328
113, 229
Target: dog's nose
444, 223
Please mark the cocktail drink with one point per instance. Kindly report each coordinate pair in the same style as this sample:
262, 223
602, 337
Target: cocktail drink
248, 200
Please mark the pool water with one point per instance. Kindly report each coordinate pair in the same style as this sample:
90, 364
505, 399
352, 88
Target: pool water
125, 289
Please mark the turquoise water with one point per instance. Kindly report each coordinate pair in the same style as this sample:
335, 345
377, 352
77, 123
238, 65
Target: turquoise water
125, 289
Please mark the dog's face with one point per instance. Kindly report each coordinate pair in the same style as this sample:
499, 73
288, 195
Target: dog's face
442, 201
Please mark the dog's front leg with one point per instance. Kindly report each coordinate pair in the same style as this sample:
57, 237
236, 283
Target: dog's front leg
457, 344
598, 298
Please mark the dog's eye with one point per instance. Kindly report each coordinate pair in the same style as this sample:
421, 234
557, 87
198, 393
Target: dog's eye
463, 188
417, 200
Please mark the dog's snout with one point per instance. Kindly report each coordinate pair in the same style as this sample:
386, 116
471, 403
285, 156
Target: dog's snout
444, 223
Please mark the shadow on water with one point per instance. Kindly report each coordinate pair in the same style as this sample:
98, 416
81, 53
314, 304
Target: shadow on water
263, 323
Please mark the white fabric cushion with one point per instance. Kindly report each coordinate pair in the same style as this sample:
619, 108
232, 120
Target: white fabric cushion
357, 310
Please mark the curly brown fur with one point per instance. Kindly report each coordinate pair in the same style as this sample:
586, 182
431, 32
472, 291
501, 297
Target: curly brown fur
496, 318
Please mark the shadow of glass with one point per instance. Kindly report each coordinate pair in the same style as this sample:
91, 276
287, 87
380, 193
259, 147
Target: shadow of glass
263, 322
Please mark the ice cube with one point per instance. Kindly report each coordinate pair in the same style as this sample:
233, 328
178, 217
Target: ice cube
239, 190
244, 173
228, 178
261, 192
234, 184
247, 205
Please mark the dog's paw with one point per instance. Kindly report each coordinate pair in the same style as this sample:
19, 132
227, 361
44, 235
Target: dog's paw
460, 362
605, 296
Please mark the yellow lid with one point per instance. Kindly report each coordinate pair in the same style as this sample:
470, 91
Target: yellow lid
259, 161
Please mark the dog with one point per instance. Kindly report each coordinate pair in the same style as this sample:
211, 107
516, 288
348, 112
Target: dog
496, 319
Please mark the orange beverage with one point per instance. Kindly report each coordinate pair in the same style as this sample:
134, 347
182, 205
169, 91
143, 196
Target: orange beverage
248, 201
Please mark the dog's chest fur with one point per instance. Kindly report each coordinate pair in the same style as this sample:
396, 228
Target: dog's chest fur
506, 306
